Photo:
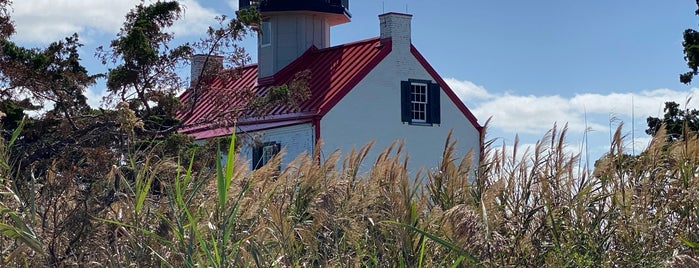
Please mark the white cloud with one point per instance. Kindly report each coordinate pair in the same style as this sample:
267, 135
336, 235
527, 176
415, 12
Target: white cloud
467, 90
648, 102
530, 114
196, 19
43, 21
94, 96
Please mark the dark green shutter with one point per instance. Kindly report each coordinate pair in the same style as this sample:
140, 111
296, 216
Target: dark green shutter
433, 108
405, 109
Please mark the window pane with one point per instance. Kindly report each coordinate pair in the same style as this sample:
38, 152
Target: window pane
267, 153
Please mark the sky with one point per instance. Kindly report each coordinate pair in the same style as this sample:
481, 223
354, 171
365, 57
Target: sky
527, 65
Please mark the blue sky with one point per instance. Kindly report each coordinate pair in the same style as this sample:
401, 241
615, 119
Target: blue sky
528, 64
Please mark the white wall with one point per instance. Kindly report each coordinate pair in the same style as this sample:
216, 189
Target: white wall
294, 140
372, 111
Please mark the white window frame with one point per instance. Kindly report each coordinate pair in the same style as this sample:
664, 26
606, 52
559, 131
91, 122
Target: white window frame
267, 153
414, 86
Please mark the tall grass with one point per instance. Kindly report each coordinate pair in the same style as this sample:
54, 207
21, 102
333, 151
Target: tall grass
532, 208
16, 225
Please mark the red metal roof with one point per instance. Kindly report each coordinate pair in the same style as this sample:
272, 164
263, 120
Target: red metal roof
333, 72
204, 108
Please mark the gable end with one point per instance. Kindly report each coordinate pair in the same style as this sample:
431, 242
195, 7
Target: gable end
447, 90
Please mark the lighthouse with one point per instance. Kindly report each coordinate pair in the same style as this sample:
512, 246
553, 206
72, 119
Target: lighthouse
290, 27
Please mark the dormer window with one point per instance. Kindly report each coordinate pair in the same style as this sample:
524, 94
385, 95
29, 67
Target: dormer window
266, 36
420, 102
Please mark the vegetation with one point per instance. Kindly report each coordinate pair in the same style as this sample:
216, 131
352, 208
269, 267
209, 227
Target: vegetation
678, 123
119, 187
536, 208
691, 53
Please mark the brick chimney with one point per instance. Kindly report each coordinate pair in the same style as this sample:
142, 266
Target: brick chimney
213, 64
397, 27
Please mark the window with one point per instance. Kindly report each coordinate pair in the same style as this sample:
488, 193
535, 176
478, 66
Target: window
266, 35
262, 154
420, 102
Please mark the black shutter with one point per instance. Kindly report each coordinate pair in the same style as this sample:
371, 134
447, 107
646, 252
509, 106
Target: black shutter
257, 157
405, 108
433, 108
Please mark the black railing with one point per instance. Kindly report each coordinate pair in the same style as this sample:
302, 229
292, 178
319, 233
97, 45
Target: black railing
331, 6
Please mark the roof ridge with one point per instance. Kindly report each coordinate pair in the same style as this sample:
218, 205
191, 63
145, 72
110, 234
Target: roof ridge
354, 43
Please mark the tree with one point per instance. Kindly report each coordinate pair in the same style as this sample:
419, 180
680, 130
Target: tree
7, 28
691, 52
67, 147
61, 162
145, 76
678, 123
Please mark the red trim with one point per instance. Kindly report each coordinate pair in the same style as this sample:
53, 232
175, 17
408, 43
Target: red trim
224, 131
254, 121
447, 90
263, 81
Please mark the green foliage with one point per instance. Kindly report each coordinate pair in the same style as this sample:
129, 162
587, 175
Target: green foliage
691, 53
13, 114
451, 246
144, 76
53, 74
678, 123
12, 222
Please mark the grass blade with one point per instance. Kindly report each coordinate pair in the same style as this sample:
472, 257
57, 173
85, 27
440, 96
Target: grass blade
439, 240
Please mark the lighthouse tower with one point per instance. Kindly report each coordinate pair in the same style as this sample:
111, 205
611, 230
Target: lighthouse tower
290, 27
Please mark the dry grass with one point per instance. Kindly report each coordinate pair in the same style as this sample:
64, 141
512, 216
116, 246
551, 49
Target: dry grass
537, 208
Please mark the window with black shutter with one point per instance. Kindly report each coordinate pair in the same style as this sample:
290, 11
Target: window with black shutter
263, 153
420, 102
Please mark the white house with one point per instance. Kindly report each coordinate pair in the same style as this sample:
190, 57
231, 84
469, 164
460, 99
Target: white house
379, 89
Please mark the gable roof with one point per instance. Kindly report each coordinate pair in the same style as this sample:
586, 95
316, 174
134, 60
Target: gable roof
334, 71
